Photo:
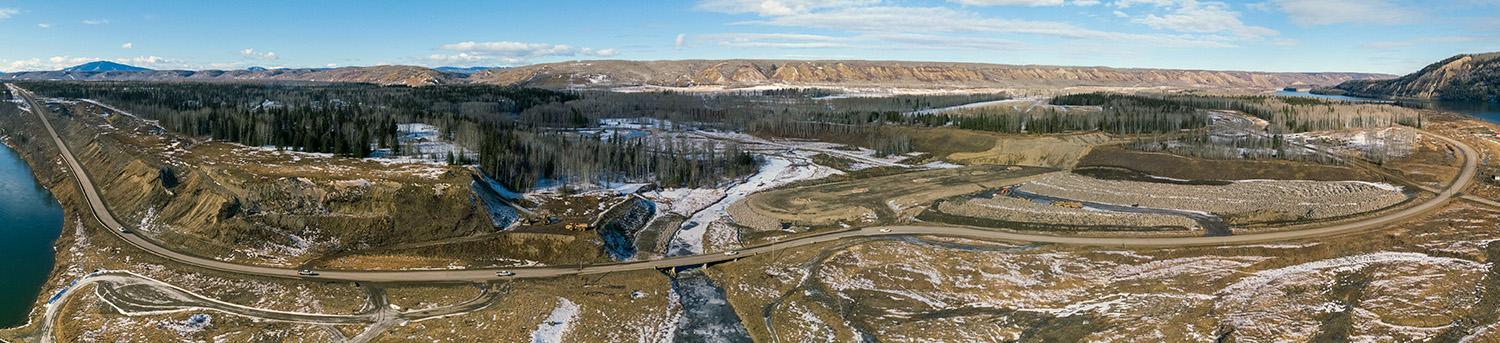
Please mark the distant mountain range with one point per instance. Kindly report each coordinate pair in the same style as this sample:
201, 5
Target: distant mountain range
462, 70
381, 75
104, 66
1467, 77
729, 74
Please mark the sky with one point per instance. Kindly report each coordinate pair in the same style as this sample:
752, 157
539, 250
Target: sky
1385, 36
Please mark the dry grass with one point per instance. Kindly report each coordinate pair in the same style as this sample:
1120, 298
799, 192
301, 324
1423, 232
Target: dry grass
428, 297
939, 289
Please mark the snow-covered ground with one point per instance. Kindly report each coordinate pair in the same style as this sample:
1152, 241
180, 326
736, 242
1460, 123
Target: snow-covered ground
1395, 141
859, 155
552, 329
422, 142
778, 170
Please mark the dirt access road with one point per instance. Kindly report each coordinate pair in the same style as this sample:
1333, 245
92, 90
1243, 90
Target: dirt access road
102, 214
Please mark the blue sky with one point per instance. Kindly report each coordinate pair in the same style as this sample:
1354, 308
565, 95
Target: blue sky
1391, 36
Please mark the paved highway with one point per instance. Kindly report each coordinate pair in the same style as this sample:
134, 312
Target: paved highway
102, 214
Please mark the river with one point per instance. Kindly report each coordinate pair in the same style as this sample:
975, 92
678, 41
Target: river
32, 220
1487, 111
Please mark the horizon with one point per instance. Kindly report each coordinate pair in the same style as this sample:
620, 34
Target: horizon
1381, 36
688, 59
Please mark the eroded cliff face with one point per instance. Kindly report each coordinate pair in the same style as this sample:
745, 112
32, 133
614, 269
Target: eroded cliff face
746, 73
252, 205
1466, 77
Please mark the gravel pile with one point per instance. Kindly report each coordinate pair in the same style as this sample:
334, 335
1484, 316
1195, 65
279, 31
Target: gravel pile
1022, 210
1301, 199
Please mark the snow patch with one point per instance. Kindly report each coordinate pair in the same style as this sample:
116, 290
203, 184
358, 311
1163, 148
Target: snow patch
552, 329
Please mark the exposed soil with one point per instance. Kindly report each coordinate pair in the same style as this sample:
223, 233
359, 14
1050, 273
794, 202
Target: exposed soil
1179, 167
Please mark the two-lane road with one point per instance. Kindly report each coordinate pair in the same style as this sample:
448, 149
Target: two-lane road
101, 213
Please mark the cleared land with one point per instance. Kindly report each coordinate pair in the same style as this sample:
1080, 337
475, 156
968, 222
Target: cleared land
1268, 199
870, 200
1027, 211
1175, 166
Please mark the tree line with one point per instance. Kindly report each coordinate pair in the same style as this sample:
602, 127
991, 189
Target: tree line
510, 127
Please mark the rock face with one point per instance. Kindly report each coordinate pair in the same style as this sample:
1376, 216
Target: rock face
1467, 77
382, 75
746, 73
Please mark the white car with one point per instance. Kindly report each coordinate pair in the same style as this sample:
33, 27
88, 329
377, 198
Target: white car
885, 230
731, 253
307, 272
505, 273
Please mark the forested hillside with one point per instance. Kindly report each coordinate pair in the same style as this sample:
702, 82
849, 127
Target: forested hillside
1468, 77
514, 138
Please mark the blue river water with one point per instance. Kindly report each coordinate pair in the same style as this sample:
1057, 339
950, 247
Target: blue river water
1487, 111
30, 221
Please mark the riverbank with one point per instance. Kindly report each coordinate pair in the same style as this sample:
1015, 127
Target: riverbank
33, 220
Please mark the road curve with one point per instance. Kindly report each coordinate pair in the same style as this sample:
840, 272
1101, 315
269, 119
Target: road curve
102, 214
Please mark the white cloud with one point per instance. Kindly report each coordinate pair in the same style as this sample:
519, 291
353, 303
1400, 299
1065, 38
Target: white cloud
1327, 12
864, 41
144, 61
266, 55
939, 20
778, 7
519, 49
23, 65
1423, 41
511, 53
1121, 14
467, 57
1027, 3
1153, 3
1032, 3
1209, 17
775, 40
95, 21
60, 62
923, 41
127, 45
680, 42
44, 25
7, 12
